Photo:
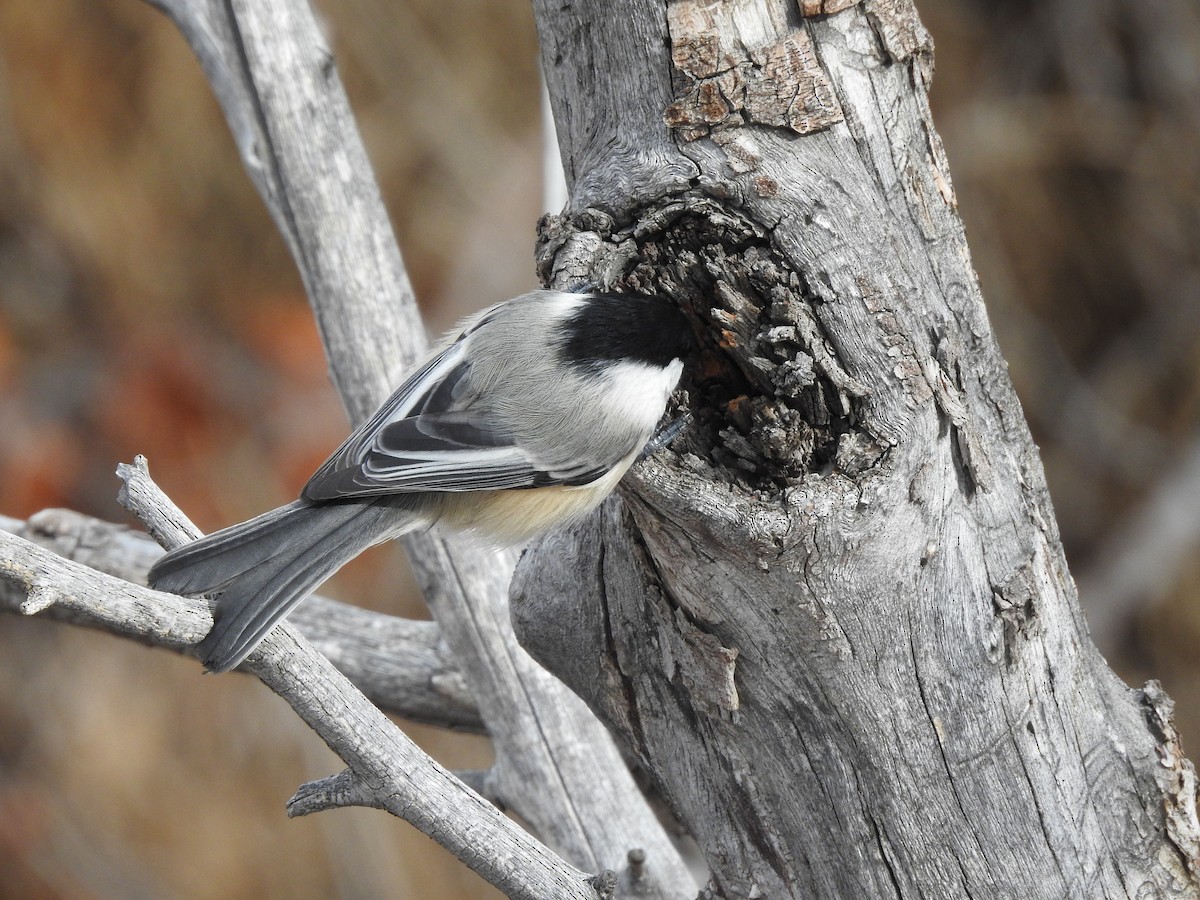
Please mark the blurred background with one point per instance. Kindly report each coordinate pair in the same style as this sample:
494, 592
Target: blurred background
148, 306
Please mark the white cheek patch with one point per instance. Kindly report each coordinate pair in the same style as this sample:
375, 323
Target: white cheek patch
563, 304
640, 391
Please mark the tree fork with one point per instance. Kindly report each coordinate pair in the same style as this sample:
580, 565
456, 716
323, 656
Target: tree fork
835, 622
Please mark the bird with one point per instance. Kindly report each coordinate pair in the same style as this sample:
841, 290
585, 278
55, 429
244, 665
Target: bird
523, 419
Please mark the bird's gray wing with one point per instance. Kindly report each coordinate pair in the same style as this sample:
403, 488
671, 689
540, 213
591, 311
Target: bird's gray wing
434, 434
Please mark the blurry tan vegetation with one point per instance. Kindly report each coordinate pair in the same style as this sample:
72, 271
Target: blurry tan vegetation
147, 305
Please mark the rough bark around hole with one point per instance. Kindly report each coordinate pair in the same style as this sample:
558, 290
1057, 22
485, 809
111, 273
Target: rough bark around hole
771, 399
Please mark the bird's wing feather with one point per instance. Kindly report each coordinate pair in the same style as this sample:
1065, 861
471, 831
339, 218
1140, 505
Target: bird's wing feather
432, 435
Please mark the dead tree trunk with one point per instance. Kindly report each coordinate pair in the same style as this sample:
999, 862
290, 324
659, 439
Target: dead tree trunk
836, 626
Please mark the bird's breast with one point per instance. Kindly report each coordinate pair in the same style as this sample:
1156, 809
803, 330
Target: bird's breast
514, 516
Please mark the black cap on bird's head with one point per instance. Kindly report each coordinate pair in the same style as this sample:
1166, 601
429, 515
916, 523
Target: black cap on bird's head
626, 327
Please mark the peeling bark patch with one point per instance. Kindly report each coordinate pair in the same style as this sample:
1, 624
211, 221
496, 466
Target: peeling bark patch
620, 696
939, 167
766, 187
1014, 604
1180, 793
703, 666
739, 67
790, 89
899, 28
809, 8
693, 657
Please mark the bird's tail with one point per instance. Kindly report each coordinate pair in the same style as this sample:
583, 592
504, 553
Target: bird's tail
266, 565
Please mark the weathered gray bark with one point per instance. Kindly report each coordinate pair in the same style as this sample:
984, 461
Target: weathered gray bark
837, 626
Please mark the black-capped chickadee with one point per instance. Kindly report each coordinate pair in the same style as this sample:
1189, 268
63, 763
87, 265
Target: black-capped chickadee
525, 420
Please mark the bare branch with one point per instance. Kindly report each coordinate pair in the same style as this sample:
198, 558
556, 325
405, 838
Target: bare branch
337, 791
273, 72
164, 521
403, 666
73, 592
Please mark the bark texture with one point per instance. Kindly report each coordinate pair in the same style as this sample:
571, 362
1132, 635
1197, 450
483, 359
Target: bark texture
835, 622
